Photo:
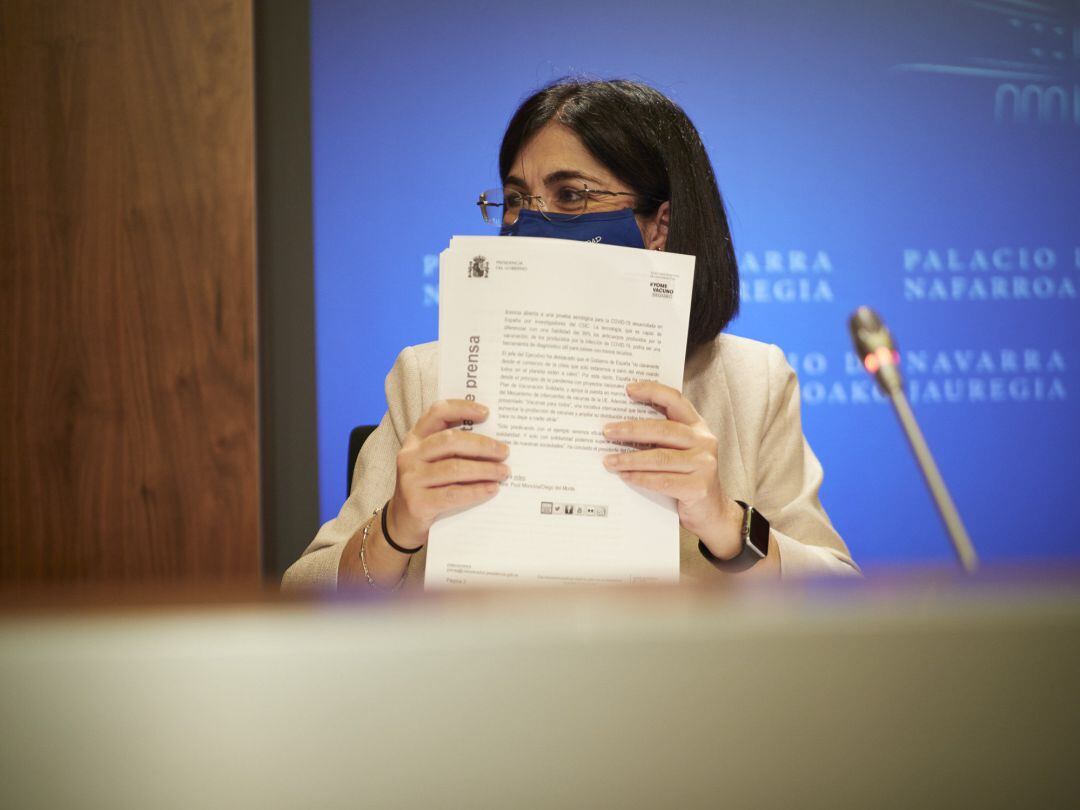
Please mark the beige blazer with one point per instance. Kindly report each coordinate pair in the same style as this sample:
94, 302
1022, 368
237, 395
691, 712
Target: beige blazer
745, 391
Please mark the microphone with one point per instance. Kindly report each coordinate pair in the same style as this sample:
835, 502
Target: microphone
875, 347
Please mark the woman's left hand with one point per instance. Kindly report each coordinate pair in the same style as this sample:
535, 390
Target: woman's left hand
681, 463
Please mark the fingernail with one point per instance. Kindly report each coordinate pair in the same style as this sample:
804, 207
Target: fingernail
612, 430
491, 487
610, 461
504, 471
633, 386
483, 408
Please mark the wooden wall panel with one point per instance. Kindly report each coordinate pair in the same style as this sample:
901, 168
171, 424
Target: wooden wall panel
128, 403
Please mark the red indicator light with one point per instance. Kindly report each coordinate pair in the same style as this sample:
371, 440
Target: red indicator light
881, 357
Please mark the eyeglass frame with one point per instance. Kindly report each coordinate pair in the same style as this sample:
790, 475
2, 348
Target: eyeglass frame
541, 206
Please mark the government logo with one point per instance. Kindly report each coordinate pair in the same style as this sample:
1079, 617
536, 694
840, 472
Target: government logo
478, 267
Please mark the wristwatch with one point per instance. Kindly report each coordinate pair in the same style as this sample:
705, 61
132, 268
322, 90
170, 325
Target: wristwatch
755, 542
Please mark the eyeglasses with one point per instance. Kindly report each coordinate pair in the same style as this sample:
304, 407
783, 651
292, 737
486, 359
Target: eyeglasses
568, 201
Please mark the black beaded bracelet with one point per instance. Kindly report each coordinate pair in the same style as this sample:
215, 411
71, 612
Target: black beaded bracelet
389, 539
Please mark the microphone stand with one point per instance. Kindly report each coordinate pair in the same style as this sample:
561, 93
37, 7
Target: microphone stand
965, 551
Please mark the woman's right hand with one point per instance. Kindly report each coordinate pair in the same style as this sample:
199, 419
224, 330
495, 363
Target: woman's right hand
440, 468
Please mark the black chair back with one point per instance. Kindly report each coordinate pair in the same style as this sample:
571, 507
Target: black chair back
357, 437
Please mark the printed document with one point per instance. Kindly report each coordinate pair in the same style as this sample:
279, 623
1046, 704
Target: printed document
547, 333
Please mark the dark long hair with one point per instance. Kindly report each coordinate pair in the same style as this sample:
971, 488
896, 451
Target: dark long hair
648, 143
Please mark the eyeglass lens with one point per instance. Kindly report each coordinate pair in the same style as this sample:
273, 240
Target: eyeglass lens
498, 208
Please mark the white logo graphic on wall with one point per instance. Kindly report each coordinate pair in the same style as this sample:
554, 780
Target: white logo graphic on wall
478, 267
1032, 74
786, 277
1001, 273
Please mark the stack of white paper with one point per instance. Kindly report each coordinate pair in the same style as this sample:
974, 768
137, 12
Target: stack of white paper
547, 333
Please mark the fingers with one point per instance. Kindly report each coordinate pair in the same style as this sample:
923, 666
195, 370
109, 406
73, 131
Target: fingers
452, 443
417, 507
461, 471
657, 460
446, 413
662, 432
665, 399
440, 468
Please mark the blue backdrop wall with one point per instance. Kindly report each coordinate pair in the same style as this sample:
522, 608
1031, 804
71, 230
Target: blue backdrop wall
922, 157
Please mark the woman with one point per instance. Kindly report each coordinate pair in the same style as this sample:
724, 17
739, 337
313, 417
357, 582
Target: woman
617, 162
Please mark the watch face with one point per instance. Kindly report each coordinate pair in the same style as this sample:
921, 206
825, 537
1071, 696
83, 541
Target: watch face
758, 533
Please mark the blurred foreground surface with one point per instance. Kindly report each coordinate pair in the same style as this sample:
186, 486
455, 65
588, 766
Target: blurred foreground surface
918, 690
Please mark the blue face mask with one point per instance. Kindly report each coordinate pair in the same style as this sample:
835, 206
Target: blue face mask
605, 227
